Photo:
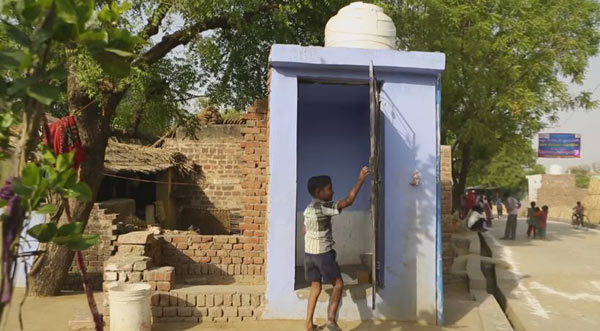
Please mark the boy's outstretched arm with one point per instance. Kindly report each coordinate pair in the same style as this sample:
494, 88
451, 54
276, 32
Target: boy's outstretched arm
349, 200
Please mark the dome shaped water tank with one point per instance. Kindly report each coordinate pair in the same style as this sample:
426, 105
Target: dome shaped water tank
361, 25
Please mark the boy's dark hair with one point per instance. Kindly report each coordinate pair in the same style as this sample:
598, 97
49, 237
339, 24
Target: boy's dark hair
318, 182
532, 204
537, 208
578, 202
545, 208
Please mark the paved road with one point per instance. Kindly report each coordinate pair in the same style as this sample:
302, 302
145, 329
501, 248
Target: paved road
555, 282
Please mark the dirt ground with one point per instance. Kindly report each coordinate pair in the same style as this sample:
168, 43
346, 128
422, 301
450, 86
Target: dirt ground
53, 314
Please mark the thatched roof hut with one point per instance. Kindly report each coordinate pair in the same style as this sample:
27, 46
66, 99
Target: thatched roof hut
143, 159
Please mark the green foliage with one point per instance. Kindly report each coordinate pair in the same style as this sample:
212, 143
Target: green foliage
507, 67
235, 61
33, 28
7, 119
582, 181
231, 114
507, 169
156, 99
70, 234
537, 169
53, 175
582, 176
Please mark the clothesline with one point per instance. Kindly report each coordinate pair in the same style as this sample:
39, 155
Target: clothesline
149, 181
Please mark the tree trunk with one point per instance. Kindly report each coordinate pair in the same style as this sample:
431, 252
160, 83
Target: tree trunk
137, 119
460, 176
49, 273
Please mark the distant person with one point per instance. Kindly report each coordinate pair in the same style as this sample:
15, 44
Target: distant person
463, 206
499, 206
512, 209
532, 221
320, 263
471, 199
542, 216
487, 208
476, 219
578, 210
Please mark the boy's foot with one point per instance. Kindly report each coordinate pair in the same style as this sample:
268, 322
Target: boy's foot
313, 328
332, 327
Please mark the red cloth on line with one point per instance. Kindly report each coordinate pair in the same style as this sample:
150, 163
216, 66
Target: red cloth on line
62, 136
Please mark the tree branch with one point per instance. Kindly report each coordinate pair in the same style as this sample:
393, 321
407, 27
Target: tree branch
155, 20
185, 35
181, 37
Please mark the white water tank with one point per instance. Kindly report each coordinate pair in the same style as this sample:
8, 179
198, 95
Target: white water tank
361, 25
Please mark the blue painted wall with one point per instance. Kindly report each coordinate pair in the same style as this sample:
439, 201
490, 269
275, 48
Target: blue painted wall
333, 139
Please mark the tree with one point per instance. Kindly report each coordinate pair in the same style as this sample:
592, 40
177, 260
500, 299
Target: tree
507, 169
246, 27
156, 100
31, 81
507, 66
235, 61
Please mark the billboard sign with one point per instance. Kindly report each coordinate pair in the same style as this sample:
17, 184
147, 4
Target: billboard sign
559, 145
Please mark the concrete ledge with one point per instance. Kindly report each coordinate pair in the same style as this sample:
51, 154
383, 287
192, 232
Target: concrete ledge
507, 282
490, 312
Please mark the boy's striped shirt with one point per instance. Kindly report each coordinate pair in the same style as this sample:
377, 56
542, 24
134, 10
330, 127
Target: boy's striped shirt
317, 221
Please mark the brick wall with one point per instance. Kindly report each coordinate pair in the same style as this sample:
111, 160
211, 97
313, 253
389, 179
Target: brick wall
213, 255
135, 262
255, 170
447, 218
560, 194
235, 162
101, 223
218, 151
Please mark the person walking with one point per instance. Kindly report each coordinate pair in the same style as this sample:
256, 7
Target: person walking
532, 221
512, 209
499, 206
487, 207
542, 216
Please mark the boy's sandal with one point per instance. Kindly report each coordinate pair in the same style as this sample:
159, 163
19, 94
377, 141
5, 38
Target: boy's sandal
332, 327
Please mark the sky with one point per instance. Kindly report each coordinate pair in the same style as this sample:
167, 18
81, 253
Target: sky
586, 123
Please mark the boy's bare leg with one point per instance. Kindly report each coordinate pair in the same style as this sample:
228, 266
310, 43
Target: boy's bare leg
336, 296
315, 290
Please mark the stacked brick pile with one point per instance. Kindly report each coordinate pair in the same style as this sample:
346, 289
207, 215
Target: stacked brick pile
207, 306
214, 255
100, 223
137, 260
255, 171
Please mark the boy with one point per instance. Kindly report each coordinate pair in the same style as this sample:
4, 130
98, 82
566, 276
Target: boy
319, 257
532, 221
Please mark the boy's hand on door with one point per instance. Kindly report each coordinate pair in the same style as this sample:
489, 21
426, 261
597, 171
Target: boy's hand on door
364, 173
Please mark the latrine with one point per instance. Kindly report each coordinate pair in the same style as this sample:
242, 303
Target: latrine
333, 110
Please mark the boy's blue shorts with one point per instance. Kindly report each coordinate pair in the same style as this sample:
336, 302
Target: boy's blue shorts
321, 267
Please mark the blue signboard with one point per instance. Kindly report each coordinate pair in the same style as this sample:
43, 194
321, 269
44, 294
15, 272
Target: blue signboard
559, 145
